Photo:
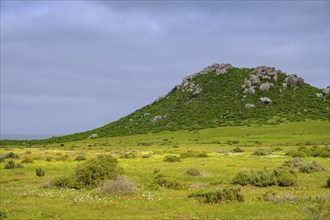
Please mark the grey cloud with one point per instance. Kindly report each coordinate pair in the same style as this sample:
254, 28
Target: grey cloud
90, 63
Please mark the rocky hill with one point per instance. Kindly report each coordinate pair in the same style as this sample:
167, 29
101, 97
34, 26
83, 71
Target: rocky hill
223, 95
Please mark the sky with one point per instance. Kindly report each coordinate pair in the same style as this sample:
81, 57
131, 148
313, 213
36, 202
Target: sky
71, 66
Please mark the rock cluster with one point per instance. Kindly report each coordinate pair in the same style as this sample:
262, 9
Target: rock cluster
157, 118
265, 72
261, 72
194, 88
293, 81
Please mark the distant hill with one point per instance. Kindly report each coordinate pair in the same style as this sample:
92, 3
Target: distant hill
223, 95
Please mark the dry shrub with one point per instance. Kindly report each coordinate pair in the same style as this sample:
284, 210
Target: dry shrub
120, 185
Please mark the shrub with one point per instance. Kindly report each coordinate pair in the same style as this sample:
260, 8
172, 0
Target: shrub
296, 154
295, 163
95, 171
261, 152
80, 157
280, 176
171, 158
328, 182
202, 154
48, 159
27, 160
11, 155
10, 165
237, 150
28, 152
193, 154
193, 172
19, 165
40, 172
2, 158
219, 196
64, 182
311, 168
3, 214
162, 181
121, 185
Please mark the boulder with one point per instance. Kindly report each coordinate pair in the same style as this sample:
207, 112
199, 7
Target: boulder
266, 100
264, 87
92, 136
320, 95
247, 83
254, 79
326, 90
293, 81
250, 91
249, 106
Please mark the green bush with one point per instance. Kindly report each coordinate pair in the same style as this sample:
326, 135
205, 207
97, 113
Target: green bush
3, 214
2, 158
163, 181
171, 158
193, 154
80, 157
65, 182
311, 168
10, 165
296, 154
193, 172
310, 152
237, 150
19, 165
40, 172
328, 182
27, 160
261, 152
219, 196
95, 171
281, 176
11, 155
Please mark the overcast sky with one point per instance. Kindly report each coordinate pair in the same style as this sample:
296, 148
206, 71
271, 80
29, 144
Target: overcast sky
70, 66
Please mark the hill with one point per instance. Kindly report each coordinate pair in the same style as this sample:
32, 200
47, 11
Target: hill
223, 95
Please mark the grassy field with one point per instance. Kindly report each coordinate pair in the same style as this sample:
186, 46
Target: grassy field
23, 197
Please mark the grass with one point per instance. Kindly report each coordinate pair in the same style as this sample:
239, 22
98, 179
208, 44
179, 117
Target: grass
22, 195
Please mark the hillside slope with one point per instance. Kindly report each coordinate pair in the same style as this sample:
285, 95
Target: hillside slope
222, 95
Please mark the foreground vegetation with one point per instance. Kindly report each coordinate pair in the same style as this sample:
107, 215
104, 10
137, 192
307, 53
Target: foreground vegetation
248, 172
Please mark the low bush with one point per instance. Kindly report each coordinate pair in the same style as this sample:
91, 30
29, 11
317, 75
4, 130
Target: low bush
64, 182
311, 168
193, 172
328, 182
19, 165
27, 160
2, 158
95, 171
40, 172
10, 165
219, 196
11, 155
128, 155
237, 150
163, 181
3, 214
281, 176
28, 152
261, 152
310, 152
121, 185
171, 158
193, 154
295, 163
80, 157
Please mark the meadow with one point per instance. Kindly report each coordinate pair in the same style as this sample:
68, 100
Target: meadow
218, 154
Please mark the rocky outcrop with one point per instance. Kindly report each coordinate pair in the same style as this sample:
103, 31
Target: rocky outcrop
157, 118
192, 88
266, 100
293, 81
265, 72
92, 136
218, 68
326, 90
320, 95
249, 106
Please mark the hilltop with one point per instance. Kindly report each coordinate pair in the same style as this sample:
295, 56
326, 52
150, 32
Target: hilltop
223, 95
